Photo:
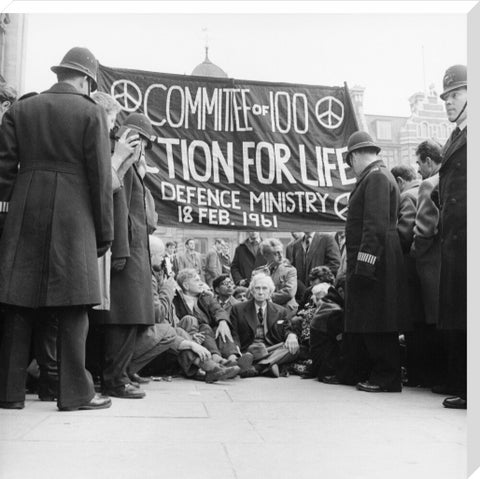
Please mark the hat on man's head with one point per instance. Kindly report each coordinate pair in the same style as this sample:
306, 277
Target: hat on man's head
81, 60
258, 350
455, 77
359, 140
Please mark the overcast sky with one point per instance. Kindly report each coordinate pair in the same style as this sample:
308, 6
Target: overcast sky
382, 52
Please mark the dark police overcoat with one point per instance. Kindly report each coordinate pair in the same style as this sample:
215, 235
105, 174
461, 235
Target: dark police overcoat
131, 298
375, 273
453, 234
55, 175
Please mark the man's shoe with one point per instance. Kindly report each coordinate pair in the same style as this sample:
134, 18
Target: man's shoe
97, 402
373, 388
199, 375
272, 371
455, 402
230, 373
215, 374
249, 373
127, 391
245, 362
12, 404
330, 379
139, 379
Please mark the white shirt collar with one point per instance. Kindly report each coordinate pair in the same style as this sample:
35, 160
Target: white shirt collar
462, 125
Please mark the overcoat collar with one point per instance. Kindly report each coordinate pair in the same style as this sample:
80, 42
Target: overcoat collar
452, 146
368, 169
63, 87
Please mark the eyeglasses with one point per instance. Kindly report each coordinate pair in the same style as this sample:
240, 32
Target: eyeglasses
226, 282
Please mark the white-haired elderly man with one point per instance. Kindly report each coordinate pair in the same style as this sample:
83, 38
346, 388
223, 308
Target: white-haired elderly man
283, 274
262, 328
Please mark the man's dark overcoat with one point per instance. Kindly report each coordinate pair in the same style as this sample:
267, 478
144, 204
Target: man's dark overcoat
244, 322
244, 262
426, 248
323, 251
131, 288
405, 226
453, 234
60, 199
375, 273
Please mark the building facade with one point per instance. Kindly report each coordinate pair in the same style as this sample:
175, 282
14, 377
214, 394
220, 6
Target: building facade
399, 136
12, 49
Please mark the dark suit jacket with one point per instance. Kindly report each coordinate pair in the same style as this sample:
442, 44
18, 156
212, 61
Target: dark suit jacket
244, 322
323, 251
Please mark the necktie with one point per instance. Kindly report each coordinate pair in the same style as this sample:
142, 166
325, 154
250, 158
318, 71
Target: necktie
260, 315
308, 240
455, 133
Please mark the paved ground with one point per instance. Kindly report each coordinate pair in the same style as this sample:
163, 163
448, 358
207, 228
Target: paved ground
256, 428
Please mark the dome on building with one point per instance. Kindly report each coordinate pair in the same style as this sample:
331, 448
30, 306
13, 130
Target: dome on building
208, 69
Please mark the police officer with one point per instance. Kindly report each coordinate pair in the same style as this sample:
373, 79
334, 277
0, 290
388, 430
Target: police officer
453, 235
56, 192
374, 267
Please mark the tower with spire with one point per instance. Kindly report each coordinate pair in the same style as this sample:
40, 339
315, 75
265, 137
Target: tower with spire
207, 68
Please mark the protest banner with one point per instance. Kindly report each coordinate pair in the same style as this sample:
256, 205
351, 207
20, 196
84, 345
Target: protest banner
235, 154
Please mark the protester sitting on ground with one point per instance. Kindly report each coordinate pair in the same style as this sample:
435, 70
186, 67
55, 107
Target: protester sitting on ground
283, 274
223, 287
155, 340
262, 328
240, 293
319, 274
326, 334
212, 320
301, 323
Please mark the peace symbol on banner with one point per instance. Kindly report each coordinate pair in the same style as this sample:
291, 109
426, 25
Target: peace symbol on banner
330, 112
127, 94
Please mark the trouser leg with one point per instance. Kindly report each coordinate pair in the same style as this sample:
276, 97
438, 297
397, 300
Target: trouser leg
186, 359
95, 343
45, 345
149, 344
324, 352
209, 342
384, 351
457, 362
75, 382
354, 363
15, 352
119, 349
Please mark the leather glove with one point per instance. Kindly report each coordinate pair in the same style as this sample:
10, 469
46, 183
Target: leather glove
102, 248
3, 217
118, 264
